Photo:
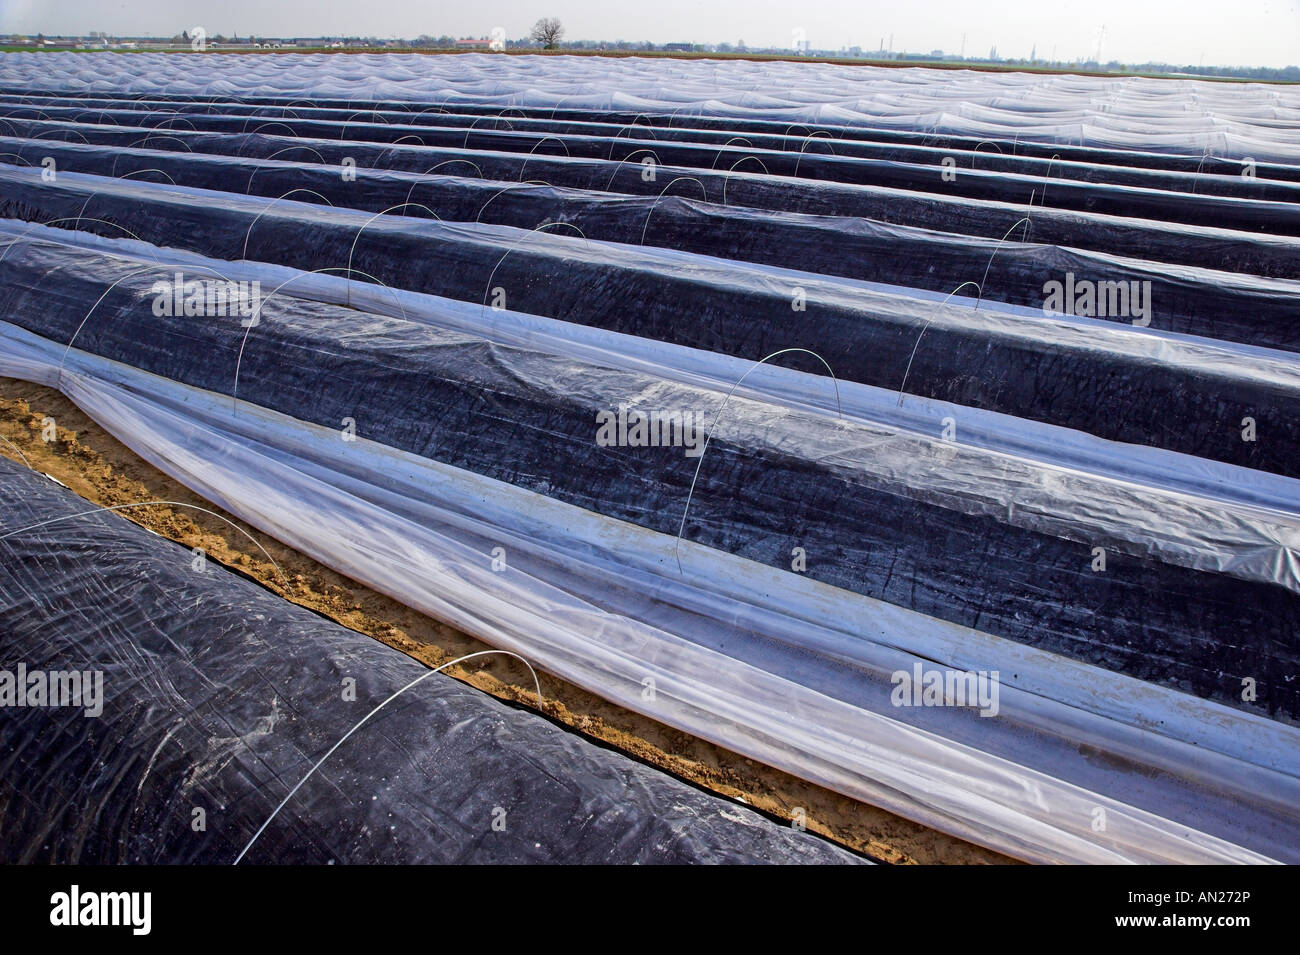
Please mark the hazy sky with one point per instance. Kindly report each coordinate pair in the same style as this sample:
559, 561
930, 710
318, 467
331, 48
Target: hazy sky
1213, 32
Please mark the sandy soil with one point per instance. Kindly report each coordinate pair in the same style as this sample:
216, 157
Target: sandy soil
96, 466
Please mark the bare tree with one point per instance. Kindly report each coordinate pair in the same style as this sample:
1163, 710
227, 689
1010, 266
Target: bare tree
548, 31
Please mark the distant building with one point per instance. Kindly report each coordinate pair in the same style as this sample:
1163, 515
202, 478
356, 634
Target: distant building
482, 43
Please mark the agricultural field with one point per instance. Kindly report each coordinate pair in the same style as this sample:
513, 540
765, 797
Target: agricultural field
575, 459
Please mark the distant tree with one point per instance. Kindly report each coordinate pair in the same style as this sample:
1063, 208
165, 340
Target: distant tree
548, 31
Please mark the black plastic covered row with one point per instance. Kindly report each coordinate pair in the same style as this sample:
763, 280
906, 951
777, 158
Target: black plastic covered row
1106, 380
1151, 159
1173, 197
528, 418
1254, 253
218, 697
1203, 302
596, 159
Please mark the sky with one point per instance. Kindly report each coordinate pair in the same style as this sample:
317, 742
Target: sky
1183, 32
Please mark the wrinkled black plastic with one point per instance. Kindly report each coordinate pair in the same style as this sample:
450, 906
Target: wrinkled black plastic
1243, 212
576, 119
220, 696
1115, 386
1257, 253
528, 418
1210, 304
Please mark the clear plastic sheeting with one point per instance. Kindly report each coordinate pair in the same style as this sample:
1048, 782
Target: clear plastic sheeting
1187, 116
585, 160
1209, 303
217, 697
500, 410
1061, 370
768, 663
1203, 173
1205, 246
917, 474
592, 136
